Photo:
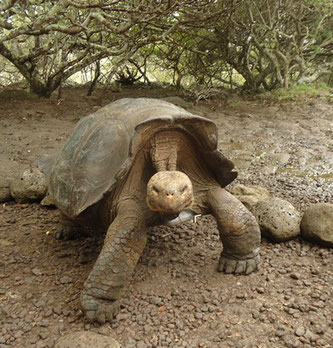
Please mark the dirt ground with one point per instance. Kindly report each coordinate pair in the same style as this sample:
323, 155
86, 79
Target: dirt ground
176, 298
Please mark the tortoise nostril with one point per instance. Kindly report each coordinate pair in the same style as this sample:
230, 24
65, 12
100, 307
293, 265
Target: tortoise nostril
155, 189
184, 189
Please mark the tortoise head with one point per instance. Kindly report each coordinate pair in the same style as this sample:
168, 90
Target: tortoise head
169, 192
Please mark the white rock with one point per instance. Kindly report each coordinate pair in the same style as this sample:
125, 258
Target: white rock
250, 195
278, 219
317, 224
86, 339
29, 186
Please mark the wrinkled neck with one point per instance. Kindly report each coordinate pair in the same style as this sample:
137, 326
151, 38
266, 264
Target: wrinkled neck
164, 150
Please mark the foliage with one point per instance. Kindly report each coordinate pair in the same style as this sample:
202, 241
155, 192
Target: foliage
49, 41
298, 93
271, 43
253, 45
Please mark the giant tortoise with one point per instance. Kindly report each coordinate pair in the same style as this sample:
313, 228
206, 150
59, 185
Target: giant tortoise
135, 163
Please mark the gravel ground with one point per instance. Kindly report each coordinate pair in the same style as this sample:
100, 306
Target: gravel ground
176, 298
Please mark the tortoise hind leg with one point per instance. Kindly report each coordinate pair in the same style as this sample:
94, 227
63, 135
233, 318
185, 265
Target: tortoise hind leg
67, 229
239, 233
124, 242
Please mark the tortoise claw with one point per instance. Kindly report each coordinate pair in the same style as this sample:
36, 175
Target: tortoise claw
252, 265
90, 315
245, 264
241, 267
229, 266
100, 316
67, 233
99, 310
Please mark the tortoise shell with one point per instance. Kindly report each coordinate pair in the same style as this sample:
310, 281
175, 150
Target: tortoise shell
101, 149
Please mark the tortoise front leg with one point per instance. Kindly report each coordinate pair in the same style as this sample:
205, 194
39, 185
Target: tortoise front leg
239, 233
123, 245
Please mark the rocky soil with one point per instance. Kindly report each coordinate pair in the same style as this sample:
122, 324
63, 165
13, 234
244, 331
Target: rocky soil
176, 298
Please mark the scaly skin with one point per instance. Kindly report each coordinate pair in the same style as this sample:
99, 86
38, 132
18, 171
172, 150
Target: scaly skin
167, 191
239, 233
122, 248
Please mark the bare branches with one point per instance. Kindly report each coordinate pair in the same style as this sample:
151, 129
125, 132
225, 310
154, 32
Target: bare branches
260, 44
279, 37
88, 30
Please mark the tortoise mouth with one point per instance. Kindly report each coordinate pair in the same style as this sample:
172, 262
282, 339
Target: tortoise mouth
169, 192
171, 209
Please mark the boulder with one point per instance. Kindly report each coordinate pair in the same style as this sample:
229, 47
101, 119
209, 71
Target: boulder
86, 339
278, 219
250, 195
317, 224
29, 186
